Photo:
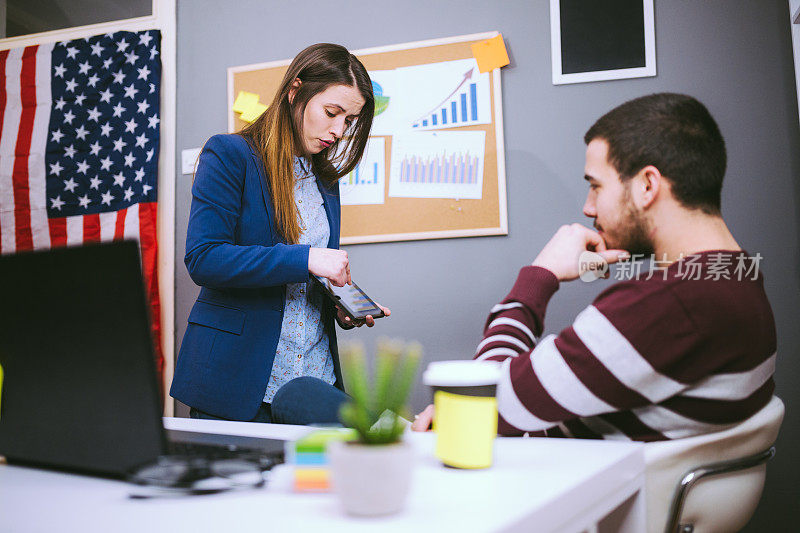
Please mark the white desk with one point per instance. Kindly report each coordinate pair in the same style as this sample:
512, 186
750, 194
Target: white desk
535, 485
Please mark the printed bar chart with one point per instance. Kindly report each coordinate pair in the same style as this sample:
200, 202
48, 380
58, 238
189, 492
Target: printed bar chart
366, 184
446, 95
356, 177
443, 168
466, 100
442, 164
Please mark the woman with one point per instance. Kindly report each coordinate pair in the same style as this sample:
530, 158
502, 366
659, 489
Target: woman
260, 344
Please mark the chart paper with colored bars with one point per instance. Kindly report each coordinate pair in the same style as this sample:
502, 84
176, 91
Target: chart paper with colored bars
444, 95
458, 168
460, 109
366, 184
362, 176
441, 164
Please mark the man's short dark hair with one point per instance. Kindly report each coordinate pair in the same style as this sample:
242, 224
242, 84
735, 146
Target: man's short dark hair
676, 134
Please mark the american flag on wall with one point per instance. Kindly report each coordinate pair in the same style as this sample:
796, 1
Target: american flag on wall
79, 143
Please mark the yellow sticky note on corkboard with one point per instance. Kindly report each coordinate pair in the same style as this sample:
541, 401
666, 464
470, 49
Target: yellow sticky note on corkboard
253, 112
244, 100
490, 54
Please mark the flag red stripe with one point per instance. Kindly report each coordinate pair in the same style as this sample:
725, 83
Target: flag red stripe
3, 98
20, 176
58, 232
91, 228
119, 228
149, 246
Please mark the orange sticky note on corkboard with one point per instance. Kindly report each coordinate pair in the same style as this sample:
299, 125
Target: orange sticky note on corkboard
490, 54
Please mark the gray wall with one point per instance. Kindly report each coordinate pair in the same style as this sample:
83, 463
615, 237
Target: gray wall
734, 55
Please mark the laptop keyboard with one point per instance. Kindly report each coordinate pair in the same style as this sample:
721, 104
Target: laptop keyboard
205, 450
266, 460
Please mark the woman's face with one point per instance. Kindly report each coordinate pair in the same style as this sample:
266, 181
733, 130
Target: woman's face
328, 114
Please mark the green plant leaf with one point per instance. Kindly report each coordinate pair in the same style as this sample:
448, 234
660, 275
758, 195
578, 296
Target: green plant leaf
405, 378
386, 364
354, 418
375, 404
355, 368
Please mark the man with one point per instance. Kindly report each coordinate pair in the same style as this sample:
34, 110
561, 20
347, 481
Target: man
684, 349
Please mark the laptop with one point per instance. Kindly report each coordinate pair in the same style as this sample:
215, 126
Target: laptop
80, 391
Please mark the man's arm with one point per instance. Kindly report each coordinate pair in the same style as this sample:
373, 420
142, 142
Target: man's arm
616, 356
515, 324
552, 381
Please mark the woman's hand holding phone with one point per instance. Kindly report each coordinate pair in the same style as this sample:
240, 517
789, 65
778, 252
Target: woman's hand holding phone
344, 320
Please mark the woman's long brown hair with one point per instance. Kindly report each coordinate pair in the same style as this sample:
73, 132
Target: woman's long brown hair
277, 134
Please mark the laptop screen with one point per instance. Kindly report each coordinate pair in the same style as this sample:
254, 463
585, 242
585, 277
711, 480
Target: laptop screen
80, 389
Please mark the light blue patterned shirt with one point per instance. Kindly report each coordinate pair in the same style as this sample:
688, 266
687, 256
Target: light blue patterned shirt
303, 348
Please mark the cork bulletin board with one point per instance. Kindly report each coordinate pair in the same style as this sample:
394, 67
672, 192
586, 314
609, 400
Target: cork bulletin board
408, 218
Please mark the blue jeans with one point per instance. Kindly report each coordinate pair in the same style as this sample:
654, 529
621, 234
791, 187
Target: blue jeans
304, 401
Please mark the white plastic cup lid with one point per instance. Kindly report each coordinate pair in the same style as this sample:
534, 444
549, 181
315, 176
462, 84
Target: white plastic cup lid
461, 373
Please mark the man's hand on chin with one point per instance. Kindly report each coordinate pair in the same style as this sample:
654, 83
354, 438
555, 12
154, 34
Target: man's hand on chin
561, 255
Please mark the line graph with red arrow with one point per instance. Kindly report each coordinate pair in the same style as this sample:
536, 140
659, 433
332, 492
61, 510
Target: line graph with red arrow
461, 106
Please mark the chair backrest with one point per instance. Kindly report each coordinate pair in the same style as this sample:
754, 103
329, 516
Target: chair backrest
720, 503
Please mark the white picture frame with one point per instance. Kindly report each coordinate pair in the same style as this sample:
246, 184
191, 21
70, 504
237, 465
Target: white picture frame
560, 77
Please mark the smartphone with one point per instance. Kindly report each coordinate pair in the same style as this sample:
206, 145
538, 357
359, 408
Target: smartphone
351, 298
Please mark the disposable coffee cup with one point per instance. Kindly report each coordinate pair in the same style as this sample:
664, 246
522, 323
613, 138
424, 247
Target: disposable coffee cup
465, 411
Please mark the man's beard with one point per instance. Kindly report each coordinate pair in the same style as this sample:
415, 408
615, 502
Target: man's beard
633, 232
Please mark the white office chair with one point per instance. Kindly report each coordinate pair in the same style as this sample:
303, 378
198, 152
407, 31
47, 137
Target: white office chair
725, 472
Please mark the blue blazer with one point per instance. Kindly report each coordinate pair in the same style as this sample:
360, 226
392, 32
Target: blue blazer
236, 255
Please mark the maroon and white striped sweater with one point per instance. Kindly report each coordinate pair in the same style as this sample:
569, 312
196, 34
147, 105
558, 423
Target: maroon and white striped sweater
650, 359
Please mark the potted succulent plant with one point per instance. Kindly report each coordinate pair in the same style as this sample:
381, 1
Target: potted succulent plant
372, 475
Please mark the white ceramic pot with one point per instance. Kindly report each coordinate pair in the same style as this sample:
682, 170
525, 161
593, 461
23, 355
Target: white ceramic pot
371, 480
